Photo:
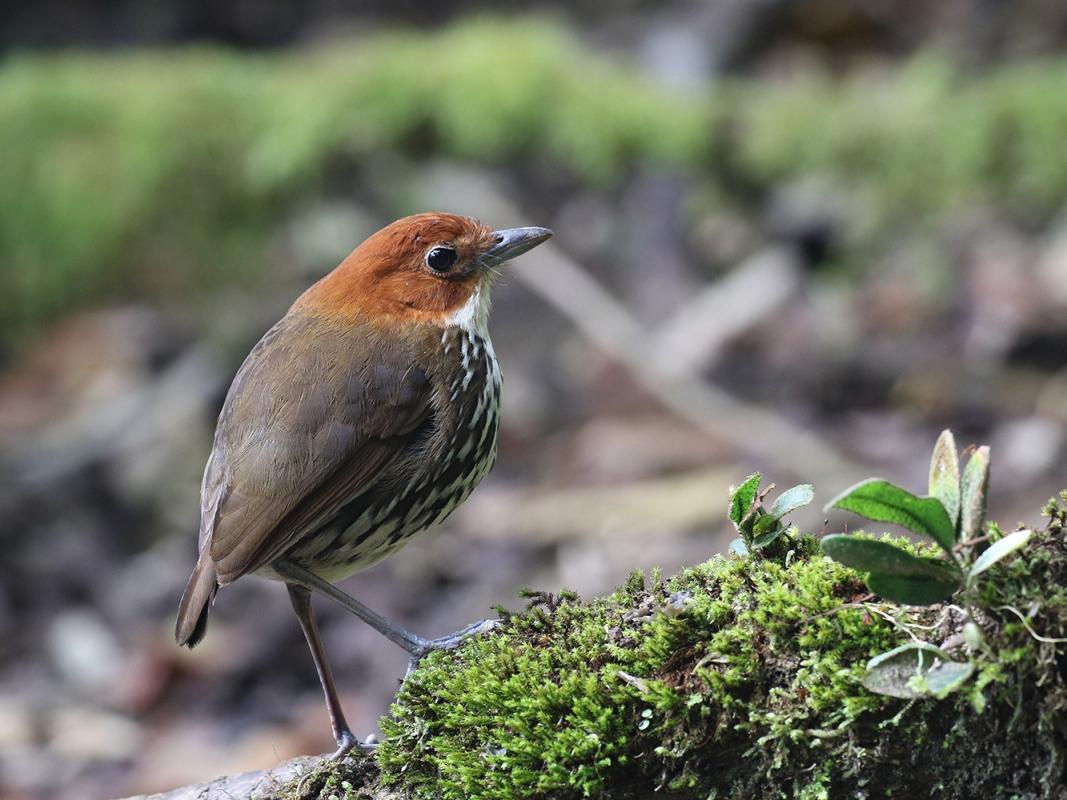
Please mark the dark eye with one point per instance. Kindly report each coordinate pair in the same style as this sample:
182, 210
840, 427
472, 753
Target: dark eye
441, 259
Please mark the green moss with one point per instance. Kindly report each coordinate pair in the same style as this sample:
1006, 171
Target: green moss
542, 708
136, 175
734, 679
931, 139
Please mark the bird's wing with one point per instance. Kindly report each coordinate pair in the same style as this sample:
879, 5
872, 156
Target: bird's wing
313, 418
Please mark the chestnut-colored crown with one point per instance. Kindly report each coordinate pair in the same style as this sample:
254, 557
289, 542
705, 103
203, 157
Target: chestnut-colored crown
389, 277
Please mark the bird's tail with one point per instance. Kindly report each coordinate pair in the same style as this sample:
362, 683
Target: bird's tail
196, 601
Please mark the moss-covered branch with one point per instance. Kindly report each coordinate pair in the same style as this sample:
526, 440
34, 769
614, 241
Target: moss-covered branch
739, 678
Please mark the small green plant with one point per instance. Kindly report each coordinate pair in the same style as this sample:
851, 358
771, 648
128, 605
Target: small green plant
759, 526
953, 517
914, 670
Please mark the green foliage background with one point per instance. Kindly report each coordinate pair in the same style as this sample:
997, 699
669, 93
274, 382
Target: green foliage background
152, 174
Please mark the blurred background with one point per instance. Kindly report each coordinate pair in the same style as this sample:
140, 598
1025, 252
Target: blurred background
798, 236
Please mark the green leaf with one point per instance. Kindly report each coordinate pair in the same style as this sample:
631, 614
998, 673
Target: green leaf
742, 498
915, 670
895, 574
767, 527
1000, 550
883, 502
945, 475
947, 677
738, 548
792, 499
764, 523
974, 486
973, 636
912, 591
870, 555
766, 530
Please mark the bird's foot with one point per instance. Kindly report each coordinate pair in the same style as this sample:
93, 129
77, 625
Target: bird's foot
347, 741
452, 640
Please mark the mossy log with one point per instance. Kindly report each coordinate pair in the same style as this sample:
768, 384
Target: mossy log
739, 678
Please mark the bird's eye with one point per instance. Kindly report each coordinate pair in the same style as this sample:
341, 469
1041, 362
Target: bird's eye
440, 259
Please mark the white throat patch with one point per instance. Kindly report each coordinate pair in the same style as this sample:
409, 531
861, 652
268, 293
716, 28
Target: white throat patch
472, 316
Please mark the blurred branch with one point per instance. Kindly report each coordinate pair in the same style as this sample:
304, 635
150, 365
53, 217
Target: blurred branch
680, 502
756, 431
752, 292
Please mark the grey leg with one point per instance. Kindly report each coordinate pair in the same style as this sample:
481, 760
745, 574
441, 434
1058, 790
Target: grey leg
415, 645
309, 580
301, 600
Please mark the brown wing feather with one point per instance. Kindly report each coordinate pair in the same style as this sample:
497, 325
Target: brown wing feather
315, 415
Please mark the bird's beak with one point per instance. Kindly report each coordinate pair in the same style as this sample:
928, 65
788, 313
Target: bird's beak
511, 242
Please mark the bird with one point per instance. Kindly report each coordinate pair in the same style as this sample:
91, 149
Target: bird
364, 416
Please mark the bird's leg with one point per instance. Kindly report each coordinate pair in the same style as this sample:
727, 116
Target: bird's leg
294, 573
300, 597
416, 646
457, 638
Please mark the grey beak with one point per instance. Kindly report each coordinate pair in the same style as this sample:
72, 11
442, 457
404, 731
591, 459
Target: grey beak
511, 242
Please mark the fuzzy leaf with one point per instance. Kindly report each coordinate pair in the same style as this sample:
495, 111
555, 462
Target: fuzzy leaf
883, 502
742, 498
974, 485
1000, 550
792, 499
912, 591
945, 475
915, 670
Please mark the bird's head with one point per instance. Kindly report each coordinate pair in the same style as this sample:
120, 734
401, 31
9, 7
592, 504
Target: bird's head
429, 268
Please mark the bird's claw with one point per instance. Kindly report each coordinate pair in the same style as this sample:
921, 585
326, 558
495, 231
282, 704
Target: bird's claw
346, 742
449, 642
